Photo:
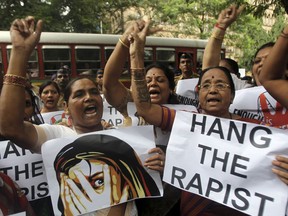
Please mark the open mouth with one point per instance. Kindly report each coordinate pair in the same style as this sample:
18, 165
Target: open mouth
154, 93
50, 101
213, 100
90, 110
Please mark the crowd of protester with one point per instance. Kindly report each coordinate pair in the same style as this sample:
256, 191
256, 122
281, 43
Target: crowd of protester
151, 89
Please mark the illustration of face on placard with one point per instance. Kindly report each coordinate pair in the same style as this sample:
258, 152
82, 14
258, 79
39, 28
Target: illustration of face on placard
97, 171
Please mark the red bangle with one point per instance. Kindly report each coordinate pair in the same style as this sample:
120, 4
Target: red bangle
220, 27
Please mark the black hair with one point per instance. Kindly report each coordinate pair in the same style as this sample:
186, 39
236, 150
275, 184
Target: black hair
185, 56
269, 44
112, 151
170, 76
64, 70
234, 66
36, 116
67, 90
47, 83
266, 45
225, 71
100, 71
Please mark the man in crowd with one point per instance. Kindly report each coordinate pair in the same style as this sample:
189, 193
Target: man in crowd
62, 79
185, 66
99, 79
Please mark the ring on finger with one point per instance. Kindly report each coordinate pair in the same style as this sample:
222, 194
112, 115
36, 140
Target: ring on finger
161, 163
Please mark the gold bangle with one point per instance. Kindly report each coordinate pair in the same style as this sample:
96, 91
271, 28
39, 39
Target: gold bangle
218, 37
11, 79
122, 42
137, 70
218, 34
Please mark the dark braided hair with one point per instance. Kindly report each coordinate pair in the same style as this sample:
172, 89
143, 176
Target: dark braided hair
36, 117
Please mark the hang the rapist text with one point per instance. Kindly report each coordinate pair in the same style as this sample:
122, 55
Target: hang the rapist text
227, 161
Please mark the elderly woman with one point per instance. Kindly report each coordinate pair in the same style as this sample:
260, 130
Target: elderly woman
82, 101
216, 92
261, 72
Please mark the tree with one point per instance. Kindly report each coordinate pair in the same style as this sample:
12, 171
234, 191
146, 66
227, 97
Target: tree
259, 7
179, 18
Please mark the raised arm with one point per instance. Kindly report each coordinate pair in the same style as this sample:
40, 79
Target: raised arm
152, 113
212, 53
272, 76
24, 37
115, 92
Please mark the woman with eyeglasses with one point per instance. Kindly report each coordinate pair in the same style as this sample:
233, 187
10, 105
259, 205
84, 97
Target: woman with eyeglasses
269, 110
275, 111
216, 92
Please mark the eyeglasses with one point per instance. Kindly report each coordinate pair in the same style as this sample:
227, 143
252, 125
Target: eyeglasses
218, 86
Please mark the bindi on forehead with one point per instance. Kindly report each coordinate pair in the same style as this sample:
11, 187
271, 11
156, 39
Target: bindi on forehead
212, 77
208, 77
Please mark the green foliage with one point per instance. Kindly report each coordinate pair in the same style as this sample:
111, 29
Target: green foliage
251, 35
183, 17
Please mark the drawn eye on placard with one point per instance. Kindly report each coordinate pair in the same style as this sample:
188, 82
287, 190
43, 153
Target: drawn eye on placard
102, 170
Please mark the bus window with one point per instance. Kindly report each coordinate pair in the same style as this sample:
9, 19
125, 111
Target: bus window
148, 56
166, 56
54, 57
108, 52
200, 53
87, 59
32, 66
